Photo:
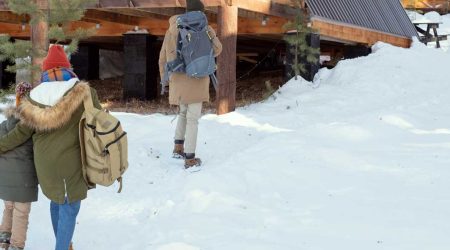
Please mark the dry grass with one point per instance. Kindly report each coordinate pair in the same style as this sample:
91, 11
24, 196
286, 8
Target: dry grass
250, 90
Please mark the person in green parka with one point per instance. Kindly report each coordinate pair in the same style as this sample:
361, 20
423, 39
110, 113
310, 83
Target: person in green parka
18, 181
50, 116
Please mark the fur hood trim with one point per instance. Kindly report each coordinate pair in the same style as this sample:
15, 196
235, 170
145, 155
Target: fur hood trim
10, 112
51, 118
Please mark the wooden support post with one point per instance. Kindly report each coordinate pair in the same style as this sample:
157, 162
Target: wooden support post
141, 66
226, 73
39, 39
86, 62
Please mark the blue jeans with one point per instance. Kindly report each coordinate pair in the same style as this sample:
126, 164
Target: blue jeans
63, 220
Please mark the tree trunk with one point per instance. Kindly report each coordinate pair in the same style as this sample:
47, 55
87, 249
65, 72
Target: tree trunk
39, 39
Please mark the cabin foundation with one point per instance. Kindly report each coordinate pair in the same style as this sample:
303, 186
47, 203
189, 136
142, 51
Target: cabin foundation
140, 66
86, 62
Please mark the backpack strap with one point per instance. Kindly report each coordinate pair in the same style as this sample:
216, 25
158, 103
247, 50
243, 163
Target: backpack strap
87, 102
120, 180
214, 81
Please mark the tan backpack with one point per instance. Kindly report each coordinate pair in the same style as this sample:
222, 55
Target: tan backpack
104, 146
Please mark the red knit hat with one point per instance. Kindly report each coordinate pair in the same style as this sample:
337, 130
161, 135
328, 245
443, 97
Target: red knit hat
56, 57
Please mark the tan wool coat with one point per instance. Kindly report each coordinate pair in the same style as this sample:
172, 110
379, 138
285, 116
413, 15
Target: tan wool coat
182, 88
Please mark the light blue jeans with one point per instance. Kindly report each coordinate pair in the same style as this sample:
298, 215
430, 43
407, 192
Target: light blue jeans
64, 218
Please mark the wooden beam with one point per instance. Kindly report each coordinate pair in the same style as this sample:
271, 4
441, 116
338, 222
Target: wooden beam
358, 35
154, 26
106, 29
137, 4
226, 73
9, 17
115, 22
273, 25
280, 8
151, 4
111, 17
168, 12
142, 13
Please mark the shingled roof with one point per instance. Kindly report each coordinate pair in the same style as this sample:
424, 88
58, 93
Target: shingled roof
381, 15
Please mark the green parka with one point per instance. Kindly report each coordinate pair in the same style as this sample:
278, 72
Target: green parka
55, 132
18, 181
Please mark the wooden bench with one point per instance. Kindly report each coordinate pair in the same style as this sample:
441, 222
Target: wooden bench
426, 35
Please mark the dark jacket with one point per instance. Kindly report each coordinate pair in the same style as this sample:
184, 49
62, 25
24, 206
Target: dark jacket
18, 181
55, 132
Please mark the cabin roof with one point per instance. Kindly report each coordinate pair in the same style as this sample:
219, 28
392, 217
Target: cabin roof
381, 15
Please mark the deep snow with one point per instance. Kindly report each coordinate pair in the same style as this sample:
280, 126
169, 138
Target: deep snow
359, 159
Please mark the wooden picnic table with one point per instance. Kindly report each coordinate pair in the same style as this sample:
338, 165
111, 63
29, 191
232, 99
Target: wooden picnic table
427, 36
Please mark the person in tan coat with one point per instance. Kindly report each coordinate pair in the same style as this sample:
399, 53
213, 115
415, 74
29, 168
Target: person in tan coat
186, 92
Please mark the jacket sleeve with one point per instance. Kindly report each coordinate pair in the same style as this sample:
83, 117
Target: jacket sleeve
14, 138
163, 56
216, 42
3, 129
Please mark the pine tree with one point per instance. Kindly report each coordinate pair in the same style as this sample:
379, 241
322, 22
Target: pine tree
298, 41
58, 16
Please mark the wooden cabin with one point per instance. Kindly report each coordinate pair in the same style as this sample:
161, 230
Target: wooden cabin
247, 28
441, 6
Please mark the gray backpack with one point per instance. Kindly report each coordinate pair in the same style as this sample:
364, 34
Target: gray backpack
195, 52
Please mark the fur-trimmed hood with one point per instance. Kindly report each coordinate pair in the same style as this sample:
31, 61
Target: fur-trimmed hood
47, 118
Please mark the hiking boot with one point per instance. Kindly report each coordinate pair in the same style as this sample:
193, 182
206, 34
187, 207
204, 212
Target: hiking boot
5, 237
191, 161
178, 151
15, 248
4, 246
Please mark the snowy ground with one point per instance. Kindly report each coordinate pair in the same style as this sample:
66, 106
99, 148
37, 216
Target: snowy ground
359, 159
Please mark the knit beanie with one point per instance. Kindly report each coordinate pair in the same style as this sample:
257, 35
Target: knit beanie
56, 57
194, 5
22, 88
